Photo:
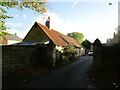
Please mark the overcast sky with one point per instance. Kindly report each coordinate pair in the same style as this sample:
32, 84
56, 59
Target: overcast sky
93, 19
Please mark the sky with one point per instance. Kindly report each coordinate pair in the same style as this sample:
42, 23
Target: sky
93, 19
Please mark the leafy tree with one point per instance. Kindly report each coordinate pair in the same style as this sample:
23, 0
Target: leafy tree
77, 36
39, 6
3, 16
87, 44
4, 33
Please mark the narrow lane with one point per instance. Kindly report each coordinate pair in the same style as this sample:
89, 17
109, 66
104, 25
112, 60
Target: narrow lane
72, 76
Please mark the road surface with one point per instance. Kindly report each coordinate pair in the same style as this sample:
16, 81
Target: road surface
74, 75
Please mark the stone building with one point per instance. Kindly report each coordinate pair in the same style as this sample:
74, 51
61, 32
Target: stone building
10, 39
44, 35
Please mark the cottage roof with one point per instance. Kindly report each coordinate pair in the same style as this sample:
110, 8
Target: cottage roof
58, 38
13, 37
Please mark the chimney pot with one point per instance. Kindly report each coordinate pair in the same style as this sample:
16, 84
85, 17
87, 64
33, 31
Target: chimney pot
48, 22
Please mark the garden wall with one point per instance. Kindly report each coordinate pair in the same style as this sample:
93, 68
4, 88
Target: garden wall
16, 58
106, 57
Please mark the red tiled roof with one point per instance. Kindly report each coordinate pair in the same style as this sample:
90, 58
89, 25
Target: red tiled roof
58, 38
21, 38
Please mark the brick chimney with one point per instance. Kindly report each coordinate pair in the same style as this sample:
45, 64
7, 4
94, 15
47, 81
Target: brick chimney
16, 34
48, 22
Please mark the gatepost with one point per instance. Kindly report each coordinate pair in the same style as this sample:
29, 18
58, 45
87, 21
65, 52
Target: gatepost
51, 55
97, 54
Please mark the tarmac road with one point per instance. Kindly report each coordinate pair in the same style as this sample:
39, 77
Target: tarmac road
74, 75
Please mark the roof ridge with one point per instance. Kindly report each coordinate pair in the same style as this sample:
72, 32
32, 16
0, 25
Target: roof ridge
48, 33
43, 25
54, 35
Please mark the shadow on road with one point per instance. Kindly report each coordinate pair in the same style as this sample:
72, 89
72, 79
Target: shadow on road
73, 75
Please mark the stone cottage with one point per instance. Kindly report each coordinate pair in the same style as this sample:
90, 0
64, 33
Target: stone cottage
44, 35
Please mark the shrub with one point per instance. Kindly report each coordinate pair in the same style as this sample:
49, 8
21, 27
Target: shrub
69, 52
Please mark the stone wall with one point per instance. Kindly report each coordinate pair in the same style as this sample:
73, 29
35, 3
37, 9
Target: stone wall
106, 57
110, 57
16, 58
